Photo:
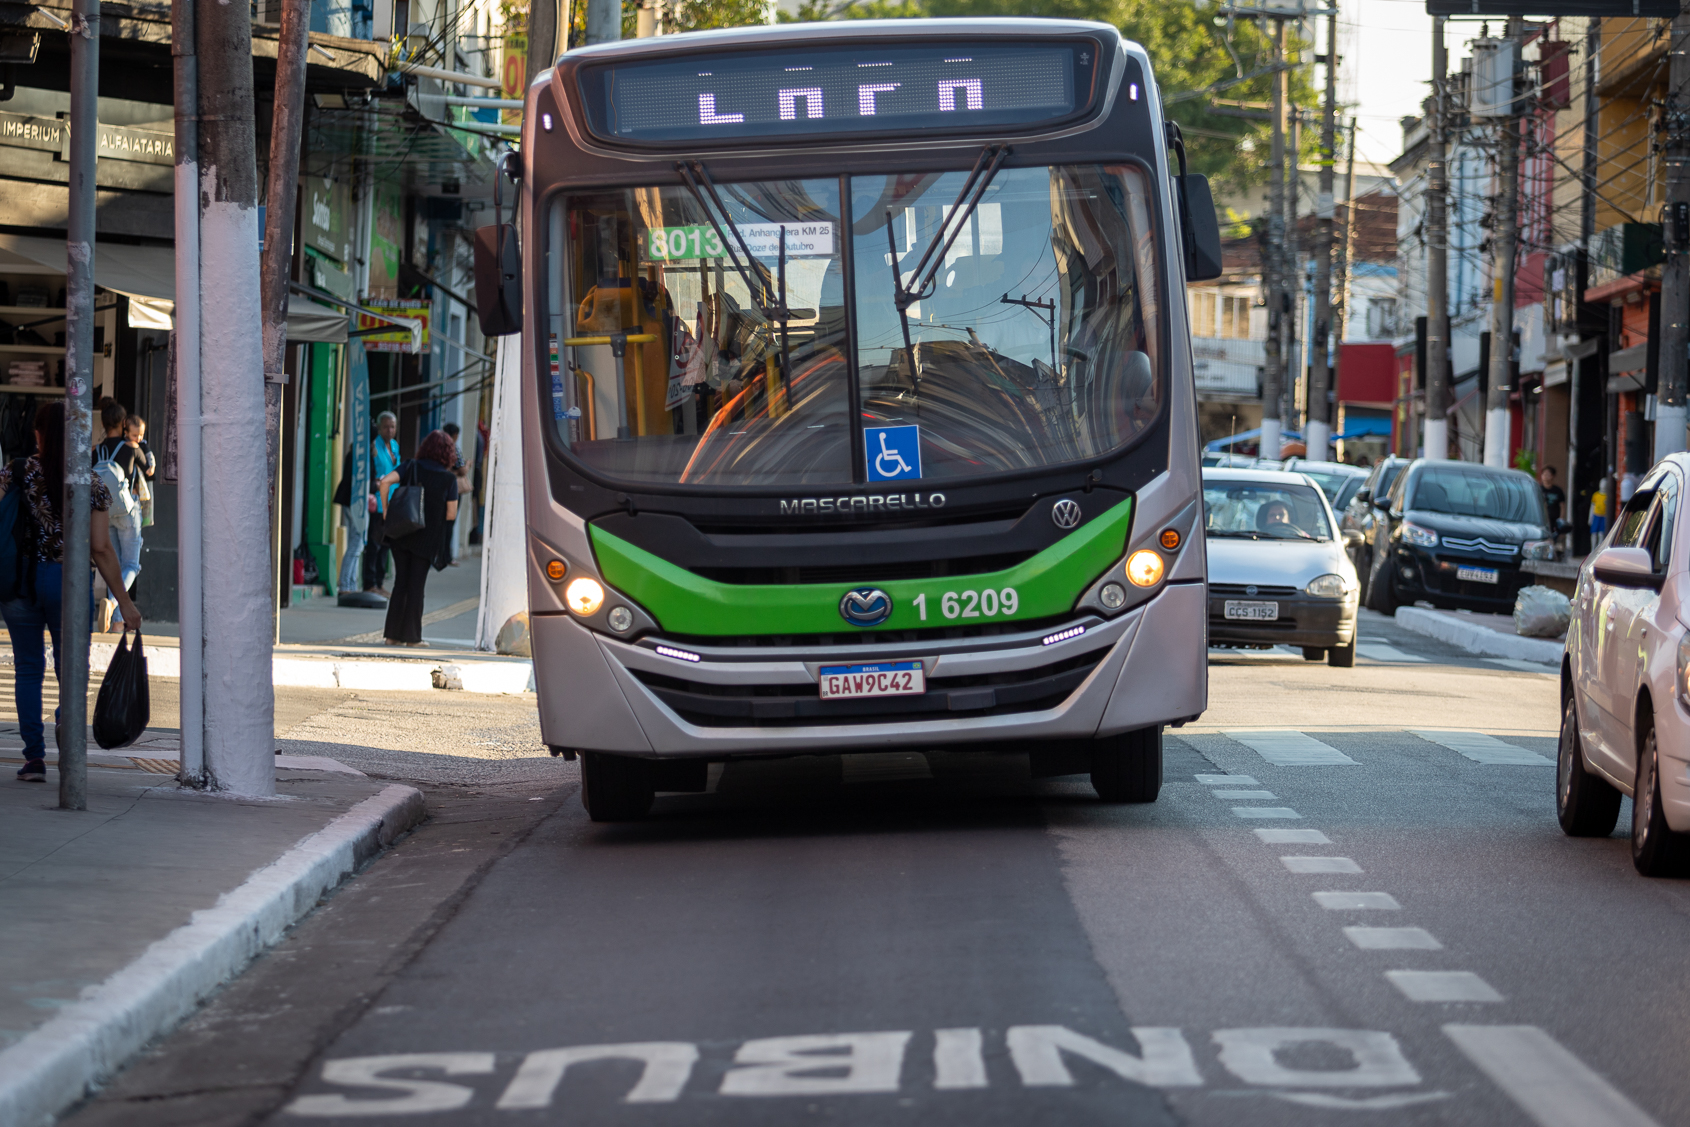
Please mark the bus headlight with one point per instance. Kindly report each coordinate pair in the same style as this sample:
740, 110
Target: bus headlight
584, 596
1144, 568
1326, 586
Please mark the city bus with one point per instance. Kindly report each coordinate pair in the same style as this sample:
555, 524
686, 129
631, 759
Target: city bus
857, 401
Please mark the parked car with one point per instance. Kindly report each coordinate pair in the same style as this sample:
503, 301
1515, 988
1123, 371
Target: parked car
1625, 680
1278, 574
1454, 533
1356, 515
1332, 477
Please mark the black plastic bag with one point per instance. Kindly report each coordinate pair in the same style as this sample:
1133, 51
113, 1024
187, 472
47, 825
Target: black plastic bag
122, 710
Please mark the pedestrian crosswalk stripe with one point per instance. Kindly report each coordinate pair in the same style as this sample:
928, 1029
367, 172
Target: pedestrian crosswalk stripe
1291, 749
1481, 748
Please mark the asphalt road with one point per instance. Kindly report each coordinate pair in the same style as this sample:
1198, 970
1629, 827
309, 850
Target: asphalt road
1351, 903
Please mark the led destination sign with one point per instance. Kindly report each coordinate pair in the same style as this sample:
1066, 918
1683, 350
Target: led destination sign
857, 88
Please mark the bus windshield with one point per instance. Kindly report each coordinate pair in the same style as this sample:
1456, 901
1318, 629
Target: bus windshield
1035, 345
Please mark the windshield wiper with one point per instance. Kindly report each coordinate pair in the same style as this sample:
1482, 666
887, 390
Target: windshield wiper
1233, 534
926, 272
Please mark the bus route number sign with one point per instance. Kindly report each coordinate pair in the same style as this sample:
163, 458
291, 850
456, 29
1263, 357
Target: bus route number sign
803, 240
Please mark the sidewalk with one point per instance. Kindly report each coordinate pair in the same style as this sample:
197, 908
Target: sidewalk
116, 921
1488, 635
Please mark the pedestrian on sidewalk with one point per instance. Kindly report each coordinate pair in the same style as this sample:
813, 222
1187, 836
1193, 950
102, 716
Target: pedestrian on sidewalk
425, 548
384, 459
460, 471
145, 467
42, 586
116, 464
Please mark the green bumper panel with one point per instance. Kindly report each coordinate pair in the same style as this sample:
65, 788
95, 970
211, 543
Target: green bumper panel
1043, 586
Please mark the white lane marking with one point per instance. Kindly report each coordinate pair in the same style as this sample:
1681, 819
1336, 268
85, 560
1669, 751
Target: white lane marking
1521, 666
1166, 1061
884, 766
1481, 748
787, 1066
1330, 1102
1292, 837
1264, 794
1549, 1083
1291, 749
1264, 812
958, 1061
1356, 901
667, 1067
1252, 1056
1442, 986
1393, 939
1225, 780
414, 1095
1379, 651
1320, 864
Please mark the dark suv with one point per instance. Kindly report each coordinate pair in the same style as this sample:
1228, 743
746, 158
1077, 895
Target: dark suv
1355, 521
1454, 533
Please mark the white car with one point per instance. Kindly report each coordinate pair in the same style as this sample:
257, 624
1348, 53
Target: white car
1625, 700
1278, 571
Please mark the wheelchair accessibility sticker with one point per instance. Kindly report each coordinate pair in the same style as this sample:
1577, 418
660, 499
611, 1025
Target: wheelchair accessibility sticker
894, 453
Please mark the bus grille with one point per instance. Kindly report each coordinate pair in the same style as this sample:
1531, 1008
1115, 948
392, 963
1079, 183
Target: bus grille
762, 706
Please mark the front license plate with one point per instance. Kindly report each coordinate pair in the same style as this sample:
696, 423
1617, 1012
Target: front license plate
1250, 611
1476, 574
887, 679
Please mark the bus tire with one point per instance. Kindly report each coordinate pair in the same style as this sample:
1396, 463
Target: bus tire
615, 788
1128, 767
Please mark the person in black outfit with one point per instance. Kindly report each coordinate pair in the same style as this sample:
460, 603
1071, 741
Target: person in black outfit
416, 552
1553, 495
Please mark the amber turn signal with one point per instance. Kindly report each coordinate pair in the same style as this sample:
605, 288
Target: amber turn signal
556, 570
1144, 568
1170, 538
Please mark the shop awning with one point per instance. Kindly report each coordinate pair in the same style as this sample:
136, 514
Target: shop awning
147, 276
1363, 426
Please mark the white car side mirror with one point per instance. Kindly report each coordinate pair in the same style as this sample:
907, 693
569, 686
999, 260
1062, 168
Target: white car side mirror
1627, 567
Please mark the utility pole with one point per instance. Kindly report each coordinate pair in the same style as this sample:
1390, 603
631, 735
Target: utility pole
1318, 429
1675, 274
1346, 245
1273, 368
238, 696
1505, 240
604, 21
276, 265
1435, 437
72, 728
185, 355
1295, 275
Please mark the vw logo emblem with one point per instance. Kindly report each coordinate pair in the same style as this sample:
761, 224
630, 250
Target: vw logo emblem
1065, 514
1250, 590
866, 606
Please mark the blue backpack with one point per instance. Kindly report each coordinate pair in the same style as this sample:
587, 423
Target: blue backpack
17, 560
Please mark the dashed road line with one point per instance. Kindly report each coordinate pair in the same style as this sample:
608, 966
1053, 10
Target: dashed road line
1442, 986
1320, 864
1549, 1083
1292, 837
1481, 748
1241, 794
1264, 812
1357, 901
1392, 939
1226, 780
1291, 749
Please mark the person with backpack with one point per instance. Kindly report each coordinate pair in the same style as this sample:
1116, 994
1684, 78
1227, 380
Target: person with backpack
116, 460
421, 546
32, 581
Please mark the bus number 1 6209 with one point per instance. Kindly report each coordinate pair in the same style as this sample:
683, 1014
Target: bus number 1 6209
972, 604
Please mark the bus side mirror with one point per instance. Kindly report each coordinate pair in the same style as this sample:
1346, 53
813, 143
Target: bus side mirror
1203, 231
498, 280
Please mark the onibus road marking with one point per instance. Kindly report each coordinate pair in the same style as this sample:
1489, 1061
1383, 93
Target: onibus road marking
1290, 749
1481, 748
1547, 1082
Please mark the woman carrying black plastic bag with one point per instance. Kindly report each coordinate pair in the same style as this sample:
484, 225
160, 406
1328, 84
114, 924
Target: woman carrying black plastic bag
39, 604
416, 552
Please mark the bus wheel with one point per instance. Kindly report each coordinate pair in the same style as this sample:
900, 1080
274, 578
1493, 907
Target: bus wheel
1128, 767
615, 788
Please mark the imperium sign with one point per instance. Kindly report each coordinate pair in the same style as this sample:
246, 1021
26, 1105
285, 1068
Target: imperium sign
117, 142
23, 131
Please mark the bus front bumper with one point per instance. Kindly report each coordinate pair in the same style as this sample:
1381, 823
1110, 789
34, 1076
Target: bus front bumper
1144, 668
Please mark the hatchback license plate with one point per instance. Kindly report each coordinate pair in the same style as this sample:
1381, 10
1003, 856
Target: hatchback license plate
1476, 574
1250, 611
887, 679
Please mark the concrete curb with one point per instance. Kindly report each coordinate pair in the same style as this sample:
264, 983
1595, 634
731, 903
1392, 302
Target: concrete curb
60, 1062
401, 675
1476, 639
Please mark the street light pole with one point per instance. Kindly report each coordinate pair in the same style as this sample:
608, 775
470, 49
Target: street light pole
1675, 274
72, 729
1318, 429
1505, 239
1436, 434
1272, 251
186, 357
